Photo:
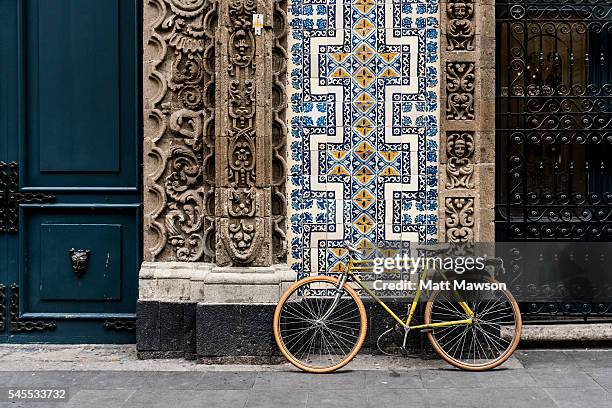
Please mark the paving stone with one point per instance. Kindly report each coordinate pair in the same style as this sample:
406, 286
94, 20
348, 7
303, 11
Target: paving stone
580, 397
298, 380
187, 399
172, 380
99, 398
397, 398
544, 358
227, 380
73, 380
561, 377
277, 399
505, 378
116, 380
591, 358
490, 397
390, 379
351, 398
449, 378
603, 377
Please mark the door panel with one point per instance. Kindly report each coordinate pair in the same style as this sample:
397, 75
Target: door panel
95, 264
80, 112
72, 237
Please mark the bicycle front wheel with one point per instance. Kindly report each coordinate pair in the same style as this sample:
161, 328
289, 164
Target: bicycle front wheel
489, 340
318, 328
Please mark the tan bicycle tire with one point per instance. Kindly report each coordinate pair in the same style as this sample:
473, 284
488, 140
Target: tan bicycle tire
484, 367
360, 340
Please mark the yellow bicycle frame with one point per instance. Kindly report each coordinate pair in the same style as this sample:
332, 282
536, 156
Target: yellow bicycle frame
356, 265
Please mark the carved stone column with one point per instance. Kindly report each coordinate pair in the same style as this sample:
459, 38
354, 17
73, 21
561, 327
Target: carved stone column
244, 137
467, 123
214, 171
250, 151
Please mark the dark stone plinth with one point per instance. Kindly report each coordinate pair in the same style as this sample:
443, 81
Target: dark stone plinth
165, 329
235, 330
229, 333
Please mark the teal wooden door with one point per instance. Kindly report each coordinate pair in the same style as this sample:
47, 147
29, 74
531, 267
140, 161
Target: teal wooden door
70, 196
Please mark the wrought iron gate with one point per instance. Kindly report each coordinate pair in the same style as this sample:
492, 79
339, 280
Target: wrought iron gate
554, 138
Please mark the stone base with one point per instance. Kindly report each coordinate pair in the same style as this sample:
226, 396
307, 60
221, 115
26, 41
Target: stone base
202, 282
166, 329
198, 309
231, 333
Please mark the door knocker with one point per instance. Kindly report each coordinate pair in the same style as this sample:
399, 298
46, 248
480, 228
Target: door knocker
79, 259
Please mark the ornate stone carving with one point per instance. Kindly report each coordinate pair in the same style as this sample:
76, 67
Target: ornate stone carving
460, 160
239, 229
460, 86
279, 132
215, 178
460, 29
180, 176
252, 136
459, 219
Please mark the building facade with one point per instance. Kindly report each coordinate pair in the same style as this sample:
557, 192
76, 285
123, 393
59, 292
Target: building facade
272, 132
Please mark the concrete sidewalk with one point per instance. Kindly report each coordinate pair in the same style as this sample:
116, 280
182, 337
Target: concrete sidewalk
110, 376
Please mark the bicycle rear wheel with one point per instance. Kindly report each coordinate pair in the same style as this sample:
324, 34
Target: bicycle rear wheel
317, 330
487, 342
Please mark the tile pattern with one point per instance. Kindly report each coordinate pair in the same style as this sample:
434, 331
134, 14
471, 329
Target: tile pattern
363, 127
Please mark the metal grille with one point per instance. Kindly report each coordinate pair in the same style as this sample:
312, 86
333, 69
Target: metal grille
554, 120
554, 150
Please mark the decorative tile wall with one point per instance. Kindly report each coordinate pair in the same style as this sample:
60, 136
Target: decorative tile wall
363, 127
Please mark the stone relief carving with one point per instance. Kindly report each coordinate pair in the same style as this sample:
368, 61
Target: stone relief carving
240, 231
251, 202
279, 132
460, 30
459, 219
460, 160
460, 78
181, 181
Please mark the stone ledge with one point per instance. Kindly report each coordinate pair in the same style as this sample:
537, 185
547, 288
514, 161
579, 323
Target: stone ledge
593, 332
202, 282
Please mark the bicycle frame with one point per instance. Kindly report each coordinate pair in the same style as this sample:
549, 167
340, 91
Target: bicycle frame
356, 265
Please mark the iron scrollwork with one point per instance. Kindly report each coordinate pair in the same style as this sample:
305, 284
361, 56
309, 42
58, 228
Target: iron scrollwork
11, 198
554, 115
20, 325
120, 325
554, 109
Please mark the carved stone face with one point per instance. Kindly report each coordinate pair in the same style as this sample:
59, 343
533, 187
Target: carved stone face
460, 10
459, 148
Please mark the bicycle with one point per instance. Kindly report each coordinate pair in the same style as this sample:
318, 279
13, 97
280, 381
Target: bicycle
320, 322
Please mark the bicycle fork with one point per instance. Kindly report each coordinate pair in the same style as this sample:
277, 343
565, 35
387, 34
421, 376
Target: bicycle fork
339, 291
